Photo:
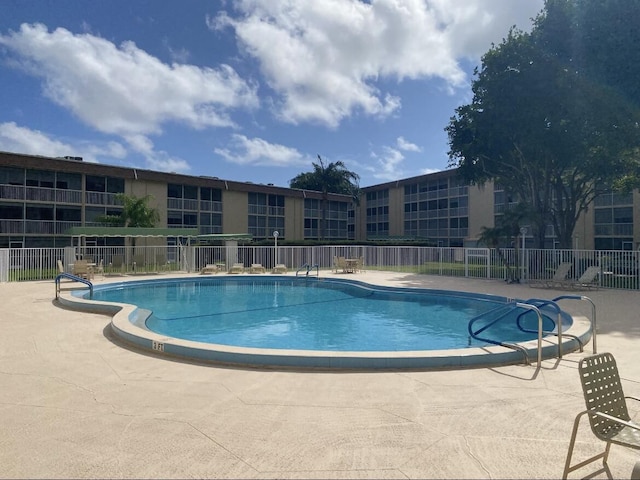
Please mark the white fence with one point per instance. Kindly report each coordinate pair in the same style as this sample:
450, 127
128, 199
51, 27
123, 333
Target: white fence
618, 269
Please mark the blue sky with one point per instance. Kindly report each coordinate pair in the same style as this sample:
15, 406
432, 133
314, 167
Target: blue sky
247, 90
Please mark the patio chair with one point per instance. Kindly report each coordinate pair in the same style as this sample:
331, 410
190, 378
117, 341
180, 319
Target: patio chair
237, 268
99, 270
340, 263
589, 279
607, 410
117, 263
82, 269
279, 268
257, 268
139, 263
161, 262
208, 269
559, 277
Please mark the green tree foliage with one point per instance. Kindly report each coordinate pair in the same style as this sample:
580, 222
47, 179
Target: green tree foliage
541, 127
330, 178
136, 212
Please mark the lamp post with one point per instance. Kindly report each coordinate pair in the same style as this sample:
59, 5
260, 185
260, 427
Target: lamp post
275, 238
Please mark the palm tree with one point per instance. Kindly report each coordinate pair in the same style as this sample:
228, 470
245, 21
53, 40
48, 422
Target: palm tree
331, 178
136, 212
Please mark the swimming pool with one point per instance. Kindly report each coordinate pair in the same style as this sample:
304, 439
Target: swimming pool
284, 321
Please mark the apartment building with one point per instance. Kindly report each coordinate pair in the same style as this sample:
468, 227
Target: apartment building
41, 198
444, 210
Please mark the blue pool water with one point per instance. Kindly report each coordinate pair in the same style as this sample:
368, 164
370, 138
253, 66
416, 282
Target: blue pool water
286, 313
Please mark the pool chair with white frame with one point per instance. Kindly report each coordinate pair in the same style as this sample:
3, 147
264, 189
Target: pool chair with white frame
280, 268
236, 268
607, 411
257, 268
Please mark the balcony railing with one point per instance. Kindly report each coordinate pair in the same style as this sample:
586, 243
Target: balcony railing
12, 226
35, 194
101, 198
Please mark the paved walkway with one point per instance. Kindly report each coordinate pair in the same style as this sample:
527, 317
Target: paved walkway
75, 404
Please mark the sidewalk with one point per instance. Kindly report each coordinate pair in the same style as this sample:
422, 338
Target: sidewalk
75, 404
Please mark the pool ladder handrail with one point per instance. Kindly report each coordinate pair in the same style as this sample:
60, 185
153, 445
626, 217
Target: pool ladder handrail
541, 303
508, 308
593, 314
307, 268
75, 278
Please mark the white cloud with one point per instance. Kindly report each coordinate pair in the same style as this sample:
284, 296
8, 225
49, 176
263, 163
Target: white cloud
387, 164
471, 26
123, 90
426, 171
402, 144
156, 159
326, 59
256, 151
14, 138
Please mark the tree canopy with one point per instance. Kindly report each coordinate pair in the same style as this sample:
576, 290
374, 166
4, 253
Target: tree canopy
333, 177
540, 126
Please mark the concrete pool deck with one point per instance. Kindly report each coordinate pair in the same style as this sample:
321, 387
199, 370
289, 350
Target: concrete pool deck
77, 404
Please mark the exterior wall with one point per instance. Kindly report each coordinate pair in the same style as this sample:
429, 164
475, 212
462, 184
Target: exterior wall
584, 231
158, 193
396, 207
294, 220
234, 212
481, 207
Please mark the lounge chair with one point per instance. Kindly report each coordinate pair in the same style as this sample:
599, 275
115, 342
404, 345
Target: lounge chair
237, 268
139, 263
257, 268
279, 268
117, 263
607, 410
559, 277
589, 279
209, 268
161, 263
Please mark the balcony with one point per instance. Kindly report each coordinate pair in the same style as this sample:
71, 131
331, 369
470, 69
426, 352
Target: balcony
34, 194
101, 198
40, 227
12, 226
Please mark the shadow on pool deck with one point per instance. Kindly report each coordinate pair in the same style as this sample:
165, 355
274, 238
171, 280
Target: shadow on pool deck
75, 404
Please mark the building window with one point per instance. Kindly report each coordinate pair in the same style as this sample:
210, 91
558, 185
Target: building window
266, 214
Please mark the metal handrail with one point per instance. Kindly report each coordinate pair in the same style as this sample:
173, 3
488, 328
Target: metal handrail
75, 278
540, 303
537, 310
307, 268
509, 308
593, 314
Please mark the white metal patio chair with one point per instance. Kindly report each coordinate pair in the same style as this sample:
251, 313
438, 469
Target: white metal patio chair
607, 410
